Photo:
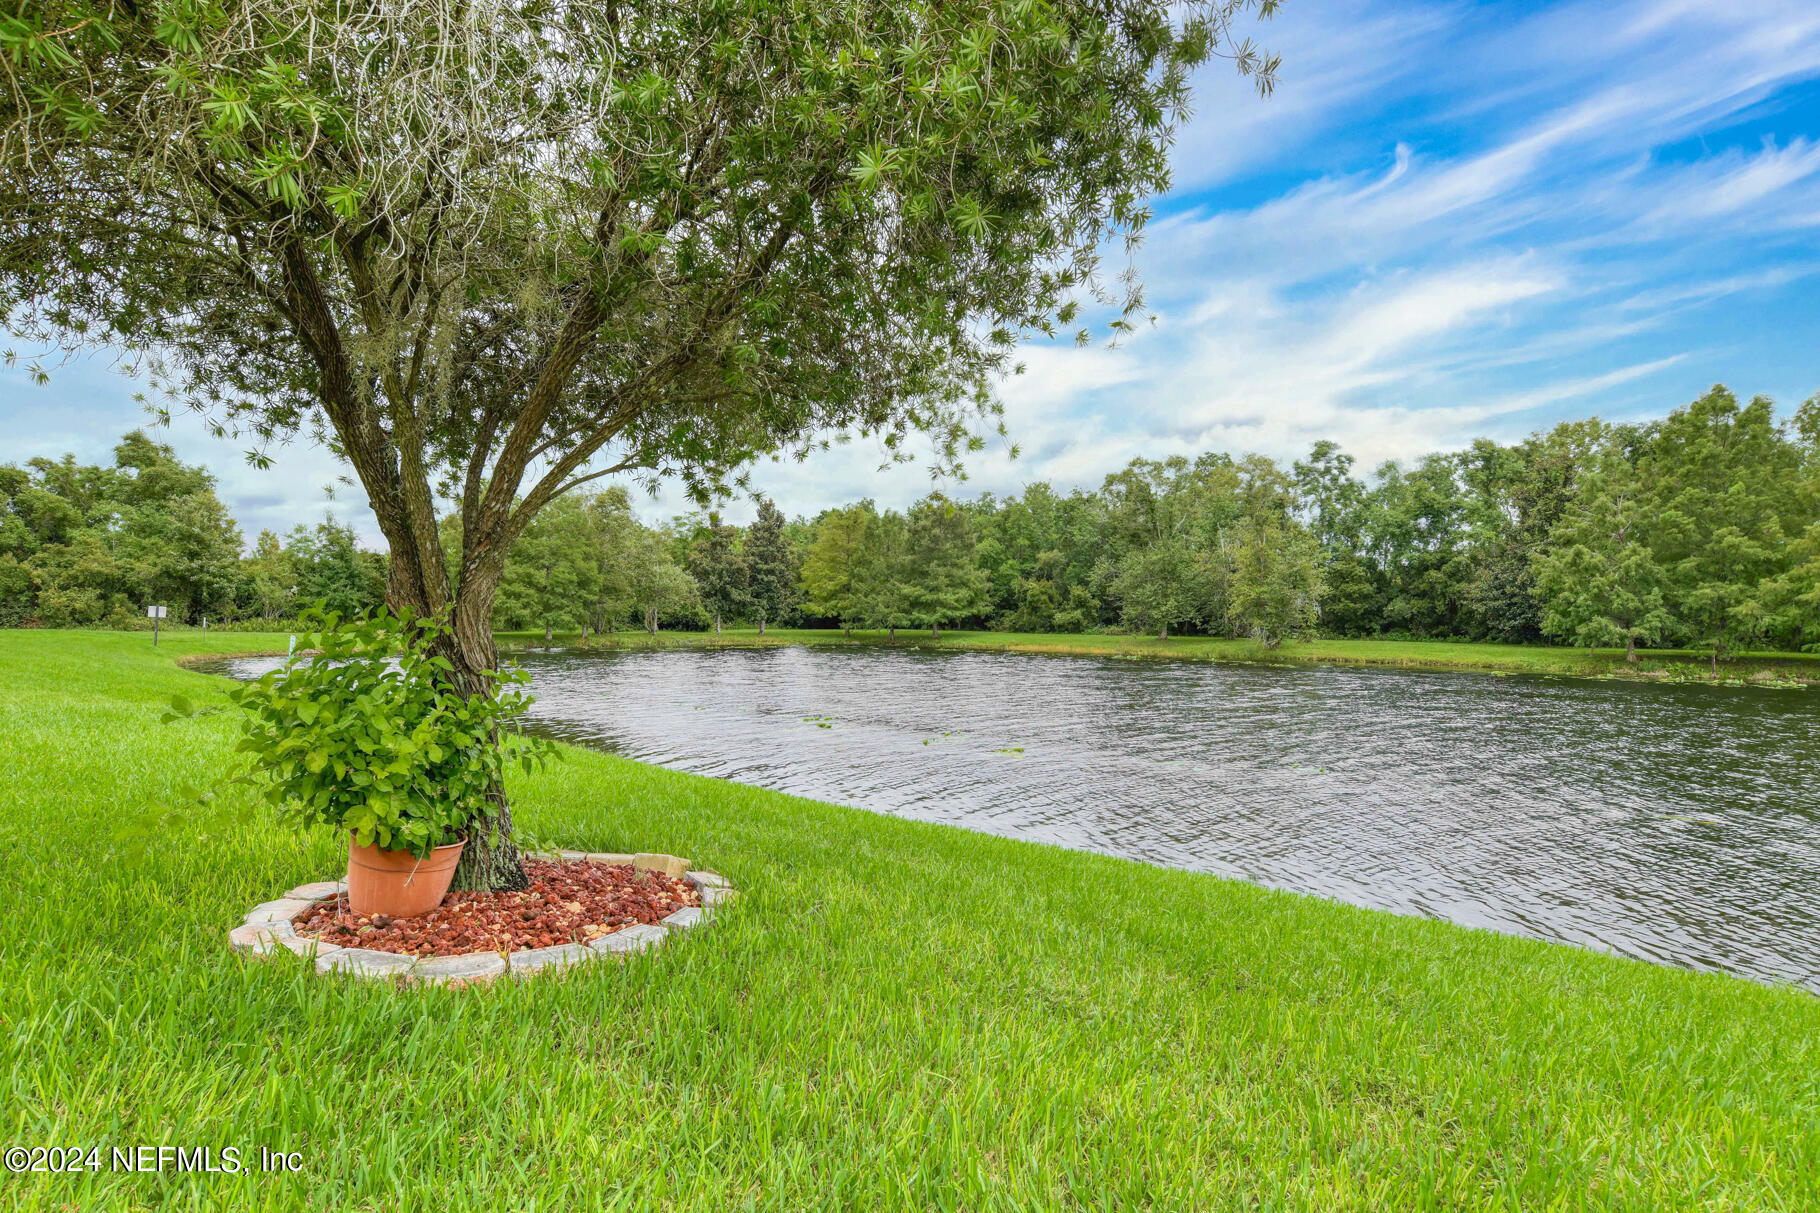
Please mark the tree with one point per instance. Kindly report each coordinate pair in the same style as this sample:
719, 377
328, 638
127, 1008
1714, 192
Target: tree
833, 571
270, 577
1161, 586
1276, 585
1513, 497
333, 570
1728, 502
619, 553
1419, 536
1600, 583
552, 571
1332, 503
659, 585
174, 536
494, 250
770, 563
1039, 552
79, 582
1791, 601
186, 552
94, 545
882, 579
1328, 497
18, 591
1165, 564
62, 565
1052, 597
940, 581
1793, 597
719, 569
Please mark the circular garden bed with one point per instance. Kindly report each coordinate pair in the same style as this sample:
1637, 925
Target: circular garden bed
580, 907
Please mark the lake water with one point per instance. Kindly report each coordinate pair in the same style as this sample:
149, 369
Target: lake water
1672, 823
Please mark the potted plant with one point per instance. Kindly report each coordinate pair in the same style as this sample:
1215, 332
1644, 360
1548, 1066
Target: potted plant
367, 736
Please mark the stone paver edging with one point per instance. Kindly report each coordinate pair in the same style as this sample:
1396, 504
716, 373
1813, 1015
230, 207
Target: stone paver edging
268, 928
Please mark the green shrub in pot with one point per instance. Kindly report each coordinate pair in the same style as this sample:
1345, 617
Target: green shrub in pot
365, 735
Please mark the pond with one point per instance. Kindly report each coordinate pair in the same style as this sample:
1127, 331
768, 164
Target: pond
1674, 823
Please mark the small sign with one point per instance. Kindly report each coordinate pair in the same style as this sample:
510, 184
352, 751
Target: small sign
154, 612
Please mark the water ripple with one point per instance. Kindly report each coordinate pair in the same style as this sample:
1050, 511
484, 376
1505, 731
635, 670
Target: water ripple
1671, 823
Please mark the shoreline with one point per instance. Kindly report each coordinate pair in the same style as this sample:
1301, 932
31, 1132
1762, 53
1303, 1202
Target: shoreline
1770, 671
1780, 671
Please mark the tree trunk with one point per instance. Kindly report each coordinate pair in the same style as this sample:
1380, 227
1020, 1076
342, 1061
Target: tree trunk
761, 625
894, 631
717, 625
491, 859
1162, 633
546, 632
1630, 648
849, 633
935, 630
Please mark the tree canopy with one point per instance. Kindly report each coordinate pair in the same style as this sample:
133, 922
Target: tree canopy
834, 568
553, 572
720, 570
489, 250
770, 566
82, 544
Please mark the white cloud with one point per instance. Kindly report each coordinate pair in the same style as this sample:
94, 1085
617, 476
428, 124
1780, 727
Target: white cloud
1738, 186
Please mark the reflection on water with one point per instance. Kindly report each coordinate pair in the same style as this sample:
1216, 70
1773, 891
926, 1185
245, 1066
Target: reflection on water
1674, 823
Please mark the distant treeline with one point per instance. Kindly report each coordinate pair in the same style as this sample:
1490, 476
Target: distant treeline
84, 546
1700, 530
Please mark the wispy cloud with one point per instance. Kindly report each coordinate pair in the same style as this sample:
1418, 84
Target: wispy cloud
1757, 190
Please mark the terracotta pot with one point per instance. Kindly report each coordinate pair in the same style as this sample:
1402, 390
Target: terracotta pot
398, 883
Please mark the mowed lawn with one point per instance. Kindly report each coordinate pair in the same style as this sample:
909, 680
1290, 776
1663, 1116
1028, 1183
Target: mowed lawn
894, 1016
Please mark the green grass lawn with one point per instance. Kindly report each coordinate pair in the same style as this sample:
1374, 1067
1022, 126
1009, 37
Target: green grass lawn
895, 1016
1773, 668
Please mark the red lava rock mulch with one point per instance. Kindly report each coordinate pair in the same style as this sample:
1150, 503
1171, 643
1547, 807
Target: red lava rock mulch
572, 901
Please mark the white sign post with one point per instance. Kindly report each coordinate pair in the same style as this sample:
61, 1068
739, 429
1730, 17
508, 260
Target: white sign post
154, 613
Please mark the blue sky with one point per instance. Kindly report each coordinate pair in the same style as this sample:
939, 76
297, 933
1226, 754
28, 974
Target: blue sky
1452, 220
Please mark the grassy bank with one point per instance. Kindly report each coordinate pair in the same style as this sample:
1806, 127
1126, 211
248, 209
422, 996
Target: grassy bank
895, 1016
1765, 668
